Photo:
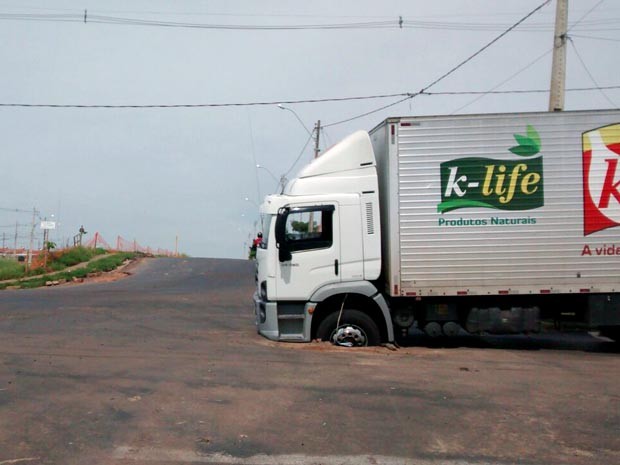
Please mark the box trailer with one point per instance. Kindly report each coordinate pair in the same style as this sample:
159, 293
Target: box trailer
490, 223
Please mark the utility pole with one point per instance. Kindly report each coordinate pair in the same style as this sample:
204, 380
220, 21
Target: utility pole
317, 150
15, 244
29, 261
45, 249
317, 128
558, 70
176, 246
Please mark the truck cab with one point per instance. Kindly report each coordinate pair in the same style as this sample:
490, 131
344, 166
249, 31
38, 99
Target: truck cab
321, 252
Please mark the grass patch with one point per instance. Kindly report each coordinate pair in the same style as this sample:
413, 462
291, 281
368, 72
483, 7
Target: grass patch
110, 263
102, 265
73, 257
10, 269
57, 261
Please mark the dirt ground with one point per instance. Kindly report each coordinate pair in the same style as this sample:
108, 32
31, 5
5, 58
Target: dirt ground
166, 367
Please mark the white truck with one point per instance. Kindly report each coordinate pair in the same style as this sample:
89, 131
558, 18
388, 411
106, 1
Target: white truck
493, 223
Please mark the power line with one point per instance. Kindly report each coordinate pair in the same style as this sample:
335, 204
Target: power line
492, 91
103, 19
587, 13
298, 157
451, 71
406, 95
521, 91
253, 27
210, 13
202, 13
595, 38
511, 77
471, 57
18, 210
388, 22
585, 67
203, 105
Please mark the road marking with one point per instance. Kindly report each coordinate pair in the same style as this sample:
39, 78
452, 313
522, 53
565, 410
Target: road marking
151, 454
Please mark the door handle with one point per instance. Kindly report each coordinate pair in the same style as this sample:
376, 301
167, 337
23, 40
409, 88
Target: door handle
336, 267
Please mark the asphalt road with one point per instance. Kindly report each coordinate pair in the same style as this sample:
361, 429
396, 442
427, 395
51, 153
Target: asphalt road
165, 367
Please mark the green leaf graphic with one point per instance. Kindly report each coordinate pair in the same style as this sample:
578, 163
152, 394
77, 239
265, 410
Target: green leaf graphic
533, 134
522, 140
528, 145
524, 150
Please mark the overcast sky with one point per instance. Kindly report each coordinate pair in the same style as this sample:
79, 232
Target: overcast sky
154, 174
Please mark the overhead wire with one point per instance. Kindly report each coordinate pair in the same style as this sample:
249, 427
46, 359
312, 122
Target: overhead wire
19, 210
449, 72
385, 22
520, 91
579, 36
408, 97
200, 105
405, 95
585, 67
199, 13
474, 55
594, 25
585, 15
254, 27
105, 19
298, 157
576, 23
508, 79
587, 70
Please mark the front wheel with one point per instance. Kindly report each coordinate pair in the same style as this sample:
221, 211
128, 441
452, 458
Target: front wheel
355, 329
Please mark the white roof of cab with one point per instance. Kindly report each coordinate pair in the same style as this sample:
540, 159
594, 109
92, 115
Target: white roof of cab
357, 150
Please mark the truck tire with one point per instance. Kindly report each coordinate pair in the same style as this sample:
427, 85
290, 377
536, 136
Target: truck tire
356, 329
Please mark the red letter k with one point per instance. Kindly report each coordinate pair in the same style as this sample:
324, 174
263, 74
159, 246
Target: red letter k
609, 188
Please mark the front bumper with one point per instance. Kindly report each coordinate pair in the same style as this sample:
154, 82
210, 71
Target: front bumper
266, 314
283, 321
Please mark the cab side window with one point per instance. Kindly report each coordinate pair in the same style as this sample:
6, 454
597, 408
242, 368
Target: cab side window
309, 228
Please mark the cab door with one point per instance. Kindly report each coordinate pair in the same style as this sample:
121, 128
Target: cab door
308, 239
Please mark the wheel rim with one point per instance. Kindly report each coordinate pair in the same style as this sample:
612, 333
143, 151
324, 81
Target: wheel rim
349, 336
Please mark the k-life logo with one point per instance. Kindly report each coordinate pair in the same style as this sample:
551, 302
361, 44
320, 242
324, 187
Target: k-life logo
498, 184
601, 179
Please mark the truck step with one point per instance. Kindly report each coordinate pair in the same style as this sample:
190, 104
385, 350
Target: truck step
291, 337
291, 317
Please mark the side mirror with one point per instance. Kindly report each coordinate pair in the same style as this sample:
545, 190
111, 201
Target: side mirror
284, 254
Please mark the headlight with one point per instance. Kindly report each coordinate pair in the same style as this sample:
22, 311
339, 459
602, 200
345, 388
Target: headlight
263, 291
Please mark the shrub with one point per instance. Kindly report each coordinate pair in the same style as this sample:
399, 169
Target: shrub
75, 255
